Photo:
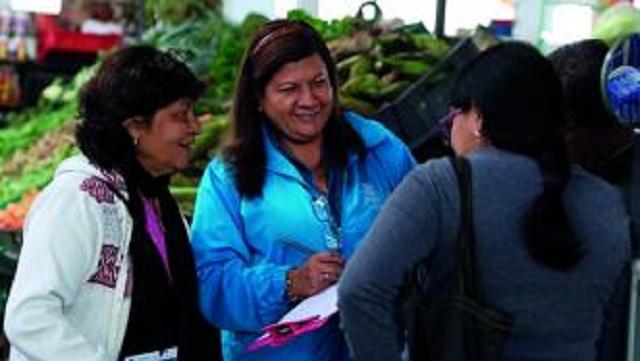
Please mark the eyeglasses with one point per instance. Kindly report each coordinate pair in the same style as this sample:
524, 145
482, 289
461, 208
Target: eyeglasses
322, 210
446, 122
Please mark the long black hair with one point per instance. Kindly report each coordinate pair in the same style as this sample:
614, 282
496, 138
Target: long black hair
519, 98
275, 44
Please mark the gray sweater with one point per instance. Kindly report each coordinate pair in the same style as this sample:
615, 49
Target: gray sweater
558, 316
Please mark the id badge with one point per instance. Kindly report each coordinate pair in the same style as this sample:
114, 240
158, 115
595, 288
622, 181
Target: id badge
170, 354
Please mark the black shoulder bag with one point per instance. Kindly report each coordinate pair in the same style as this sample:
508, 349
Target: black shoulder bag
459, 326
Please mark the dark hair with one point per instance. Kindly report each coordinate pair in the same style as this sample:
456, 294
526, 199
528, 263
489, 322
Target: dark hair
276, 43
135, 81
519, 98
578, 66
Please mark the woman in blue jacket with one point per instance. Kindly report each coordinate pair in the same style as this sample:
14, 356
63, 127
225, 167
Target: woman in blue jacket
289, 199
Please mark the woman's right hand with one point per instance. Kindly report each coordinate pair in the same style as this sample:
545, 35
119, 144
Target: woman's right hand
319, 272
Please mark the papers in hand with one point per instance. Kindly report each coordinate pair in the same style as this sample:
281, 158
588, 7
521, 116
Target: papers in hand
322, 305
308, 315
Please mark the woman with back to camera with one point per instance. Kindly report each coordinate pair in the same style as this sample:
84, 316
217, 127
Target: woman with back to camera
106, 271
289, 199
552, 241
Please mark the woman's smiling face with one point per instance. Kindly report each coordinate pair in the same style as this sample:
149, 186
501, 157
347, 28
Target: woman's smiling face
164, 145
298, 99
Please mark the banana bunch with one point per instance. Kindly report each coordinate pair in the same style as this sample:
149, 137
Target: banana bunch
376, 65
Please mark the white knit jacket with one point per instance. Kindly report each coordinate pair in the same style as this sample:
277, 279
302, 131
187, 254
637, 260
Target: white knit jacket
70, 297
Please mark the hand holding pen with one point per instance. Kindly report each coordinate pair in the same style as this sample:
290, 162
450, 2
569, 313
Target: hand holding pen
320, 271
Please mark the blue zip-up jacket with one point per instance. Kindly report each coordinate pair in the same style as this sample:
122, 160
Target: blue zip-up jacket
243, 247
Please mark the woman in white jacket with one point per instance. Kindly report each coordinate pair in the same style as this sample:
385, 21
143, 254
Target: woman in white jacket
106, 270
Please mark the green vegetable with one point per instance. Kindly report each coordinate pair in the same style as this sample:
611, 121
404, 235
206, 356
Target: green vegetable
361, 67
22, 135
209, 137
345, 64
185, 196
616, 22
213, 49
13, 187
180, 192
330, 30
392, 43
366, 86
174, 12
358, 105
54, 91
250, 25
432, 45
409, 67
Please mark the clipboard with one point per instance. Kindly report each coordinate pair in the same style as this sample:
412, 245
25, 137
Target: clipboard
308, 315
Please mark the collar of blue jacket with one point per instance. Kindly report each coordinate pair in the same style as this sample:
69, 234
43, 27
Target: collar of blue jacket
278, 162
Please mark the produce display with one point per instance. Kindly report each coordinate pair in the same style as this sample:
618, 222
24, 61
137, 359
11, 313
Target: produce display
174, 12
33, 167
376, 62
212, 47
12, 218
23, 134
38, 140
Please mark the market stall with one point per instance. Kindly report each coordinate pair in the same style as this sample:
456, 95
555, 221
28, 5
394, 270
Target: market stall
396, 72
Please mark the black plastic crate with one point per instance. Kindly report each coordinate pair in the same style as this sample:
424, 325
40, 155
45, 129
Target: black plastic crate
414, 114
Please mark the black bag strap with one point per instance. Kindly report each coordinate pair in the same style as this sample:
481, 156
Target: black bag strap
467, 280
467, 273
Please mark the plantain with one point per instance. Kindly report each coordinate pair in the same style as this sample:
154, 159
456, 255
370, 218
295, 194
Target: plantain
362, 66
410, 68
366, 86
392, 43
432, 45
343, 67
346, 63
358, 105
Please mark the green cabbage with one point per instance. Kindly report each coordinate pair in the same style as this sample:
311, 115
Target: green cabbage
616, 22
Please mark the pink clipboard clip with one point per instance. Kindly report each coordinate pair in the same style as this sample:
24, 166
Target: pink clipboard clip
310, 314
278, 334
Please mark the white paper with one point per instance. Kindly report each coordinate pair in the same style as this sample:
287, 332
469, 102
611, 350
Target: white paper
323, 304
170, 354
